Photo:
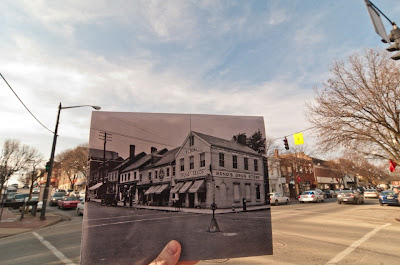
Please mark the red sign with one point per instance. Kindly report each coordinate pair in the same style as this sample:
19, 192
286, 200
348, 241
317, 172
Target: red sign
298, 178
392, 166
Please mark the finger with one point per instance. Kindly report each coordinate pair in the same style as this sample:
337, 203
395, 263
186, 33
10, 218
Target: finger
169, 255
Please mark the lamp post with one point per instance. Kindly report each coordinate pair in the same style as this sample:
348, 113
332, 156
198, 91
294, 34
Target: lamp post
53, 149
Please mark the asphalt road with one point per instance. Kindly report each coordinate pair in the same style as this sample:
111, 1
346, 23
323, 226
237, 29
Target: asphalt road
123, 236
323, 233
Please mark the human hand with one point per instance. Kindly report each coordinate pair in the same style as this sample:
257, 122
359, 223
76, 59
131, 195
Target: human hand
170, 255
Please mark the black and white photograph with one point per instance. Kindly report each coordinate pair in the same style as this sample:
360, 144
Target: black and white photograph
153, 178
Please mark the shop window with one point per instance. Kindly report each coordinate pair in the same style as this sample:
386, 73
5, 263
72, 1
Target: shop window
191, 140
248, 192
221, 160
191, 162
258, 192
246, 163
234, 161
202, 160
236, 192
182, 164
255, 165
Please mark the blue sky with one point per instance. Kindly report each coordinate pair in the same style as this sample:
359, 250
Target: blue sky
215, 57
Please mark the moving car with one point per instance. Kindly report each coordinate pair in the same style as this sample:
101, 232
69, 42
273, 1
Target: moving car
352, 196
328, 193
371, 193
68, 202
55, 198
311, 196
80, 208
388, 197
276, 198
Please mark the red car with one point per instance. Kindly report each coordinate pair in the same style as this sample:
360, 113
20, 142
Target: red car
68, 202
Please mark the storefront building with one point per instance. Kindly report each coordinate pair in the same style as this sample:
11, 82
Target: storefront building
211, 169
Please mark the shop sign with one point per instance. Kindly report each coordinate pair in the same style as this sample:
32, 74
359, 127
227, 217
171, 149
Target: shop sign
236, 175
193, 173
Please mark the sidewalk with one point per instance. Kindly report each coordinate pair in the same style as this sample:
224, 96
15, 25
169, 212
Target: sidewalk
11, 225
190, 210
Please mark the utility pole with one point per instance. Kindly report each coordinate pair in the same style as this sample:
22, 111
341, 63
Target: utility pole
105, 137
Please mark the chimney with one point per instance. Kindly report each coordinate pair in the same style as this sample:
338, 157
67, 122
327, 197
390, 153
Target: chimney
276, 153
242, 139
153, 149
131, 151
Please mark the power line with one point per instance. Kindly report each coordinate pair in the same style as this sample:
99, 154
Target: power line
294, 133
25, 105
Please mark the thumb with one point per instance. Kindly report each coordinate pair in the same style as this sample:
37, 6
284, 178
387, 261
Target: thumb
169, 255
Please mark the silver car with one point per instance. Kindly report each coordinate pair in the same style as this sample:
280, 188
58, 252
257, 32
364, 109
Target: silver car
311, 196
371, 193
350, 196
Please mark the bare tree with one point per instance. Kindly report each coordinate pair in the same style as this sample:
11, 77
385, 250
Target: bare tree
73, 161
35, 174
359, 106
15, 157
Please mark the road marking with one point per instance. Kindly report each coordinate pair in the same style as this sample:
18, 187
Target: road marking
140, 220
54, 250
356, 244
115, 217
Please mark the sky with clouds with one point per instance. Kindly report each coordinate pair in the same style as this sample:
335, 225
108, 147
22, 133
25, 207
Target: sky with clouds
260, 58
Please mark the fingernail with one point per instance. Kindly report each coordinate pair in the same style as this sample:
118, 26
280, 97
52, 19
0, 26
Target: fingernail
172, 248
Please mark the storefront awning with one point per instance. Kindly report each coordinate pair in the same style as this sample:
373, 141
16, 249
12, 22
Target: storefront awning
185, 187
161, 189
152, 189
94, 187
197, 186
177, 187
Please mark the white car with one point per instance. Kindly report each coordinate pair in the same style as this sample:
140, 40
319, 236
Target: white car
80, 208
311, 196
276, 198
371, 193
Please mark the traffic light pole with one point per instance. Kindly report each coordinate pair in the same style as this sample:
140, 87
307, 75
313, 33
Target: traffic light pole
53, 149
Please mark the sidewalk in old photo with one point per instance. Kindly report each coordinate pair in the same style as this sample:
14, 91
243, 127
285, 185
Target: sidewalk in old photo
191, 210
10, 223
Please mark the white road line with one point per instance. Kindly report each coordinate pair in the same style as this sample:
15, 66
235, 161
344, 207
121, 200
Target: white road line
115, 217
139, 220
353, 246
54, 250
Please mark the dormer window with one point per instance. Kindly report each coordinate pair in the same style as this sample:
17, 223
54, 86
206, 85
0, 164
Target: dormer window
191, 140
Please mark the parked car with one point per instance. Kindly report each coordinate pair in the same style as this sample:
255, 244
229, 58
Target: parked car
55, 198
36, 190
82, 195
15, 185
26, 186
68, 202
311, 196
388, 197
276, 198
80, 208
328, 193
34, 198
11, 189
371, 193
10, 196
21, 197
351, 196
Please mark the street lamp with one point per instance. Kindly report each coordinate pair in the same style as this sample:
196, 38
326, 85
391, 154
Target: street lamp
53, 149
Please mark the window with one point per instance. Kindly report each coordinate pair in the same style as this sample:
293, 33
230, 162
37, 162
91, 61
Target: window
129, 176
191, 140
167, 171
191, 162
202, 160
134, 175
248, 193
173, 171
221, 160
149, 175
234, 161
246, 163
140, 177
255, 165
156, 174
182, 163
236, 192
258, 192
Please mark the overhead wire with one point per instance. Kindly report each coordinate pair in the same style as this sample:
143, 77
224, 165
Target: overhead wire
25, 105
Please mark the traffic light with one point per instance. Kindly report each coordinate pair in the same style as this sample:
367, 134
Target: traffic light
285, 142
47, 166
394, 36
